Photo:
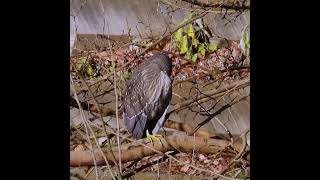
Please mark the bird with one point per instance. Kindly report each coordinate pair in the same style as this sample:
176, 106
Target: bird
148, 94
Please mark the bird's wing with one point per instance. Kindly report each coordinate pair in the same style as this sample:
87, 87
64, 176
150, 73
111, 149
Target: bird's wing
143, 92
134, 115
164, 97
157, 89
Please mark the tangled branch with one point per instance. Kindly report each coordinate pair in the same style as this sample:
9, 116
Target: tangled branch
235, 5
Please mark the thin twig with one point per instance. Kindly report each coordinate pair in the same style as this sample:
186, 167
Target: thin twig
97, 142
117, 116
88, 173
219, 5
86, 128
215, 92
119, 169
216, 113
234, 120
169, 169
241, 152
131, 173
199, 9
99, 115
194, 146
225, 128
158, 169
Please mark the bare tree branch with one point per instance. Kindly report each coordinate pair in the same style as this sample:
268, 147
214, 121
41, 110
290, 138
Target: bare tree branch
241, 152
185, 127
216, 113
234, 5
131, 173
240, 84
133, 151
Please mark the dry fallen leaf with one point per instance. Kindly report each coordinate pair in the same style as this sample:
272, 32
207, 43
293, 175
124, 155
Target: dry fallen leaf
202, 157
206, 161
80, 147
187, 70
185, 168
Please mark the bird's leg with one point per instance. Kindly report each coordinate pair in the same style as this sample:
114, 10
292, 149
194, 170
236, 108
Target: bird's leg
154, 136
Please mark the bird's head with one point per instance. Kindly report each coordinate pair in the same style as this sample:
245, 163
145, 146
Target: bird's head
163, 61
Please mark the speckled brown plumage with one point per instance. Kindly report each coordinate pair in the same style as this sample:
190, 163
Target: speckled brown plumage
148, 95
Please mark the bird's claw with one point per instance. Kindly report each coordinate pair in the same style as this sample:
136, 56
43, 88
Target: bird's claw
154, 136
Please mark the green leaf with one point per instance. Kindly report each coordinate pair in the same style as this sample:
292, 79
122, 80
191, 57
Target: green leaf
126, 75
194, 42
89, 71
78, 66
188, 55
178, 35
190, 31
242, 175
246, 39
194, 57
112, 67
187, 17
184, 45
245, 43
201, 49
81, 63
212, 47
203, 52
82, 60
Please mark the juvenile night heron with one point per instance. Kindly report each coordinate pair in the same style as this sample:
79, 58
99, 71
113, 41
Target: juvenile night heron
147, 97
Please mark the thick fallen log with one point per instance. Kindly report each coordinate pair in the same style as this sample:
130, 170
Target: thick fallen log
185, 127
135, 151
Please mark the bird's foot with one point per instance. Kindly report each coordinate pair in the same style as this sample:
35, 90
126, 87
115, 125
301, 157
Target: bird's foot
157, 137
